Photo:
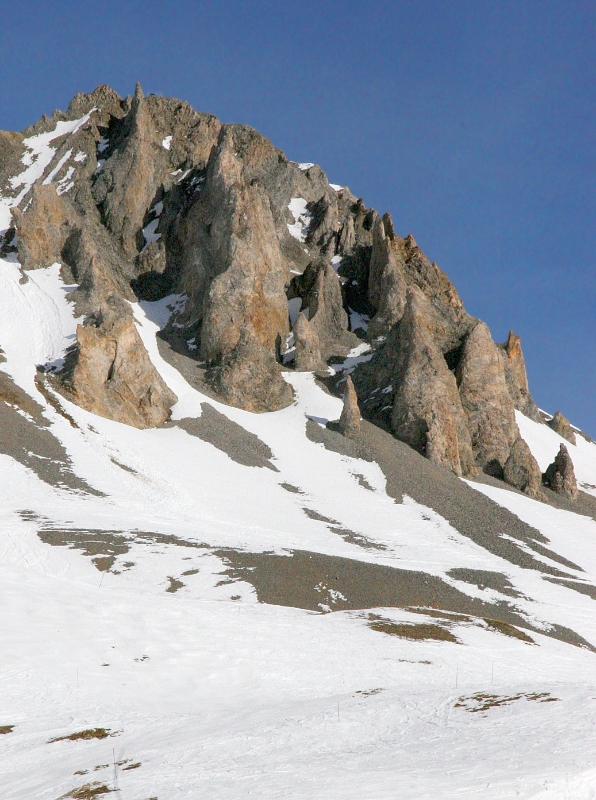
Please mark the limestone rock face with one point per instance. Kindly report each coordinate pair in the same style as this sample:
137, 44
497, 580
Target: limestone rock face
308, 351
321, 294
144, 197
561, 425
139, 162
427, 410
109, 373
517, 379
349, 422
522, 471
43, 229
486, 400
386, 281
560, 475
244, 379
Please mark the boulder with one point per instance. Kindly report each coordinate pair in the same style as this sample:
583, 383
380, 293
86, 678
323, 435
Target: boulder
109, 373
349, 422
308, 352
561, 425
522, 471
486, 400
560, 475
427, 411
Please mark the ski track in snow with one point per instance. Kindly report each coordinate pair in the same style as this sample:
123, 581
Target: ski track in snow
228, 699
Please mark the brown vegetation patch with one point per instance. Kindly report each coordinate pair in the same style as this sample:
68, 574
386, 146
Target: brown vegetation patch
174, 584
508, 630
88, 791
90, 733
482, 701
412, 631
132, 766
6, 729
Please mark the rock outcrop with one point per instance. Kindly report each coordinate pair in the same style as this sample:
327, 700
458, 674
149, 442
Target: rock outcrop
109, 373
244, 378
486, 401
522, 471
561, 425
517, 378
144, 197
321, 295
560, 475
427, 411
349, 421
308, 350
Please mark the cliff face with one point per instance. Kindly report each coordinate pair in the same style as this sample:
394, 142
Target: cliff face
141, 198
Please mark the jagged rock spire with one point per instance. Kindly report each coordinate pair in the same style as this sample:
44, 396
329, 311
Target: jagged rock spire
560, 475
349, 422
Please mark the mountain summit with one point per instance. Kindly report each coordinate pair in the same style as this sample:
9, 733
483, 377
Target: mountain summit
210, 354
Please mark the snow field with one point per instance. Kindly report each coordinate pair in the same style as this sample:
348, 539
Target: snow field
229, 699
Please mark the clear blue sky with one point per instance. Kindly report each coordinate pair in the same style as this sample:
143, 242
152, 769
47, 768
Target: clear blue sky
472, 121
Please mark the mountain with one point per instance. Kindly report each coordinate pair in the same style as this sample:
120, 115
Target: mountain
278, 516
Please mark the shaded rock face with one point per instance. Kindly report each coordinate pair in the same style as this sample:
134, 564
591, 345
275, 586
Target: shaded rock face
427, 411
486, 400
522, 471
145, 197
560, 475
308, 351
561, 425
109, 373
320, 291
349, 422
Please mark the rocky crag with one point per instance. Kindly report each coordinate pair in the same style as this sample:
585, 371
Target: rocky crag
143, 197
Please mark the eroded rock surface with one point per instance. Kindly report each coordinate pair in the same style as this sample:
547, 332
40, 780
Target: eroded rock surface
308, 349
427, 410
349, 422
561, 425
109, 373
560, 475
522, 471
145, 197
486, 400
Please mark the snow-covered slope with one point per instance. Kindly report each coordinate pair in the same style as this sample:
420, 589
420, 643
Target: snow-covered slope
124, 609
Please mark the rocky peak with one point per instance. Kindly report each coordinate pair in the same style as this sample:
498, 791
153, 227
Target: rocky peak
143, 197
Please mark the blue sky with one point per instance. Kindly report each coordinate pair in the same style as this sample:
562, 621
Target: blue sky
472, 122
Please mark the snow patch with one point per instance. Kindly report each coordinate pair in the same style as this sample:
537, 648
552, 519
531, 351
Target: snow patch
167, 142
302, 218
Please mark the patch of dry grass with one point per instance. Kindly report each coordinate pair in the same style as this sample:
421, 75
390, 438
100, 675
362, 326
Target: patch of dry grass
6, 729
412, 631
90, 733
482, 701
508, 630
88, 791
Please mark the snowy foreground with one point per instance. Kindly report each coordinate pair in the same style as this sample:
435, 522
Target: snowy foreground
206, 692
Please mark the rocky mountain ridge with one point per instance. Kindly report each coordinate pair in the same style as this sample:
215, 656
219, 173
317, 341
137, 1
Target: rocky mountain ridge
274, 268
